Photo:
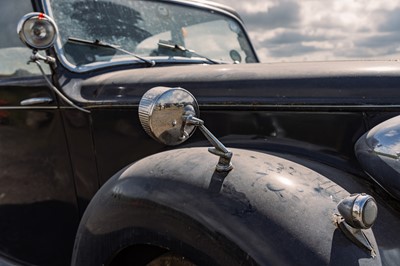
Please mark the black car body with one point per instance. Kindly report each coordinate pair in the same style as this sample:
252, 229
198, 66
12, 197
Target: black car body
98, 180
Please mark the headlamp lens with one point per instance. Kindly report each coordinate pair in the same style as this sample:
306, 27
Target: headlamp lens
37, 31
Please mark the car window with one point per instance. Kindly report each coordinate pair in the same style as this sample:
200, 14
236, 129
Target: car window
139, 27
13, 54
209, 38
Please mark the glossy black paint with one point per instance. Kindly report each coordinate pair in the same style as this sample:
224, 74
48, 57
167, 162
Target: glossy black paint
255, 113
54, 158
323, 107
317, 112
378, 152
79, 136
37, 192
321, 132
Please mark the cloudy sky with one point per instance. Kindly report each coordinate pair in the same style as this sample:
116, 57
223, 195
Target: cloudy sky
287, 30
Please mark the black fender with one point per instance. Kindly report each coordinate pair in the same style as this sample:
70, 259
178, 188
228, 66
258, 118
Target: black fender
378, 153
266, 211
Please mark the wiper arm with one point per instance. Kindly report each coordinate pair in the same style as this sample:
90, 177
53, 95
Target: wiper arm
113, 46
177, 47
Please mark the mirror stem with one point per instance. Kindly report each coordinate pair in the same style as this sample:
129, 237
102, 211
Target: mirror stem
225, 156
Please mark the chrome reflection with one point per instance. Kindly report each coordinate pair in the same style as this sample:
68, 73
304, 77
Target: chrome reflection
161, 110
170, 116
358, 212
37, 31
378, 151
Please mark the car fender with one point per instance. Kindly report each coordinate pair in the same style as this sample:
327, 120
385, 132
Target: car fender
267, 210
378, 153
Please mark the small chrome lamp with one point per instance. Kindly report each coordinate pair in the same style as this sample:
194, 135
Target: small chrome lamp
37, 31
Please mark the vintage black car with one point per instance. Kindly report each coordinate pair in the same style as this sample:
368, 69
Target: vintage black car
101, 162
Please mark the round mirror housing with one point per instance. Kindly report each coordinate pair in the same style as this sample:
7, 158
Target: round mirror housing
162, 113
37, 31
359, 210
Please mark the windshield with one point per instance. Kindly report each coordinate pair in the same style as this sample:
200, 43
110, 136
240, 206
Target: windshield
140, 26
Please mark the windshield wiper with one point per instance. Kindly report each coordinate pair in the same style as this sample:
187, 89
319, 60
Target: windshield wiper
113, 46
177, 47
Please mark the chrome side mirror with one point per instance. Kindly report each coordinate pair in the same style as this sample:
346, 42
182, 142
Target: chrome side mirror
171, 115
37, 31
160, 113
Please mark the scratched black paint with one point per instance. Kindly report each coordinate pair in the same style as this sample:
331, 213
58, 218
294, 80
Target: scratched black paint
242, 214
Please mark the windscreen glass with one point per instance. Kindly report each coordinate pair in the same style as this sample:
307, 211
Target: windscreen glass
151, 29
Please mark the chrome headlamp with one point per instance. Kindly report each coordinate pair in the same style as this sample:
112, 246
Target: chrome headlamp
37, 31
359, 210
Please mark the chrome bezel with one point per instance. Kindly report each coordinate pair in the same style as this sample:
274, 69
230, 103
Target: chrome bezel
352, 209
155, 103
127, 61
358, 210
22, 36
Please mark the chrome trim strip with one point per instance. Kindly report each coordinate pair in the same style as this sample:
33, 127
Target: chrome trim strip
261, 106
28, 107
61, 57
94, 105
294, 106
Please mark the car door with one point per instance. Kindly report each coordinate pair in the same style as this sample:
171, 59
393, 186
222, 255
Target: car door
38, 210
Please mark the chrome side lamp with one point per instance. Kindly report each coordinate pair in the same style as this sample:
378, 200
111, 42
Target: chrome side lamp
357, 212
37, 31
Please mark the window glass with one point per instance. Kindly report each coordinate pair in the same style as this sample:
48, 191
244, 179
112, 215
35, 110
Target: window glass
13, 53
140, 27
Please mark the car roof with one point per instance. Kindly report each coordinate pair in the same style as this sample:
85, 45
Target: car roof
206, 3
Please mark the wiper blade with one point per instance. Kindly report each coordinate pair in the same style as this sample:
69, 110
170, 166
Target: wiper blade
177, 47
113, 46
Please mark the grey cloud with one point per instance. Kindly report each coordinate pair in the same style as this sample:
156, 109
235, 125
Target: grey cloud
292, 50
375, 46
392, 22
353, 53
373, 35
293, 37
379, 41
284, 15
363, 52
